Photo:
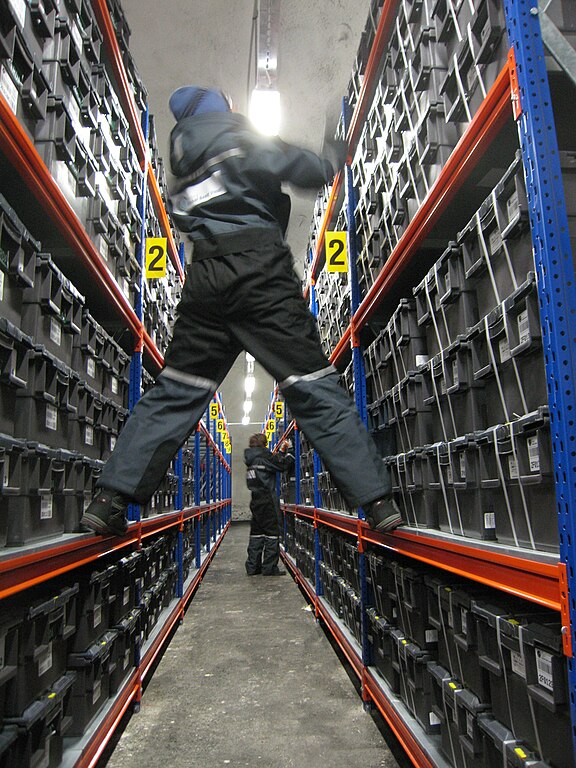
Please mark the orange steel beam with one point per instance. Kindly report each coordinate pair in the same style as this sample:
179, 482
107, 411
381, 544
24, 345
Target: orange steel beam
488, 121
411, 745
21, 572
127, 100
381, 37
124, 88
93, 750
23, 154
529, 579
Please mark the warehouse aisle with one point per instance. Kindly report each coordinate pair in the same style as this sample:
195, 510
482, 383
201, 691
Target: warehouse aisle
250, 680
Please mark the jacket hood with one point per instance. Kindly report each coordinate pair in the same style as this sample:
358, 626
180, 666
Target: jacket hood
193, 100
251, 454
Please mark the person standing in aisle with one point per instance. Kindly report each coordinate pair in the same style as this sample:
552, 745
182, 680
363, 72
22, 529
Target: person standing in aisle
241, 293
262, 467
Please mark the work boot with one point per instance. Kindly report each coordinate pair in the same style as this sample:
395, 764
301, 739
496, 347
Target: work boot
106, 513
274, 572
383, 515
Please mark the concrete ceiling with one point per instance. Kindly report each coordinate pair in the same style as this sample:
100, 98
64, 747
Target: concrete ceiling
207, 42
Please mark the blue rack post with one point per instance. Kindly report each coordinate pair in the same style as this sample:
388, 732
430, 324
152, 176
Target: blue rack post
556, 283
136, 361
197, 497
317, 465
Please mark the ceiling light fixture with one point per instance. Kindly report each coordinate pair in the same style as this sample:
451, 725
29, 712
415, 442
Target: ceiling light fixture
264, 102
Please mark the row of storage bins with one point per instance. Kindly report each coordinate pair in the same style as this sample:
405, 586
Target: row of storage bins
482, 673
53, 79
66, 649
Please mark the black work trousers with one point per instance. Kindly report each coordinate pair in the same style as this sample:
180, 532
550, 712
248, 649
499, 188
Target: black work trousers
264, 542
249, 300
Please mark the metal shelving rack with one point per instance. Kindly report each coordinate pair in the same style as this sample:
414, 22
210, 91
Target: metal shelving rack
28, 566
521, 92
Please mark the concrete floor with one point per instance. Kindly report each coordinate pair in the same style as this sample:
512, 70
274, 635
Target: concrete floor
250, 679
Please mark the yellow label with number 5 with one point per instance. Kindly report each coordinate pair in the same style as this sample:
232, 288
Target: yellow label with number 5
156, 248
279, 409
336, 251
214, 410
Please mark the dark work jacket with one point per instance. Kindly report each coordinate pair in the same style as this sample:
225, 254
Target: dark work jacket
228, 176
262, 466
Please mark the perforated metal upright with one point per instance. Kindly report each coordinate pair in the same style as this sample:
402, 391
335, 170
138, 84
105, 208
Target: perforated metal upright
556, 284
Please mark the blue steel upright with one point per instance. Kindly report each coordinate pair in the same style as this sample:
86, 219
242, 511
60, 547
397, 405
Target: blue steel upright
556, 283
359, 371
135, 384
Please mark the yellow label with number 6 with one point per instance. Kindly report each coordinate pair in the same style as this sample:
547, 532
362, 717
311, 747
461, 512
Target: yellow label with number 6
156, 248
271, 426
336, 251
220, 426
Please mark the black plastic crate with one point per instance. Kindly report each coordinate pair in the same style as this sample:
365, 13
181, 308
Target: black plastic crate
95, 599
10, 625
469, 510
501, 748
412, 605
17, 262
517, 482
125, 586
419, 500
15, 351
38, 511
126, 648
45, 630
383, 583
91, 690
382, 642
43, 726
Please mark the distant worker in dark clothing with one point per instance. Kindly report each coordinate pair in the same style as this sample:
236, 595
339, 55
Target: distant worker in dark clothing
262, 467
240, 293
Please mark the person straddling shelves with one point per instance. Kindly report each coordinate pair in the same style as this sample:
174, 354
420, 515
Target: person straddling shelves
241, 293
262, 467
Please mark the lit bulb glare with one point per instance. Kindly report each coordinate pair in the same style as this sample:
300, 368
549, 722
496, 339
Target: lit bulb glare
245, 420
265, 111
247, 406
249, 358
249, 385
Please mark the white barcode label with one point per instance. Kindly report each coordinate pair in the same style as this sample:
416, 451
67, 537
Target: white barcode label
46, 508
97, 616
470, 724
51, 418
544, 669
433, 719
126, 598
518, 665
442, 386
5, 477
2, 651
55, 331
91, 367
451, 617
449, 475
45, 660
463, 466
1, 285
126, 659
495, 241
455, 378
112, 442
114, 385
512, 206
8, 90
464, 621
504, 348
421, 360
533, 454
513, 468
125, 287
102, 247
489, 520
431, 635
19, 10
447, 282
89, 435
471, 78
97, 691
77, 37
523, 327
